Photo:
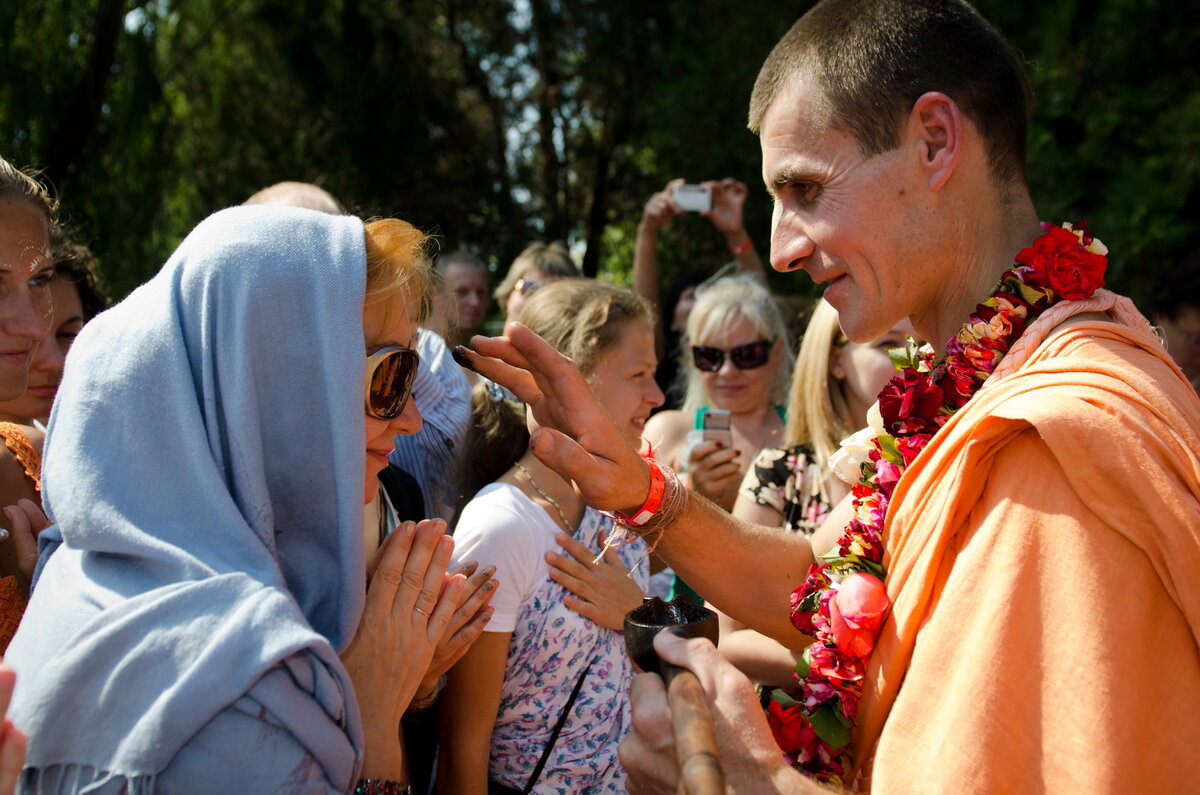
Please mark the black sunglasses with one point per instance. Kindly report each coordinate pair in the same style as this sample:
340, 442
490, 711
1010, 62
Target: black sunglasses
744, 357
389, 380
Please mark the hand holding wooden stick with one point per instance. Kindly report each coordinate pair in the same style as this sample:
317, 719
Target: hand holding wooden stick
695, 734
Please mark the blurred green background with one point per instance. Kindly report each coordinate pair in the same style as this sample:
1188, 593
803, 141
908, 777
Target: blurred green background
492, 123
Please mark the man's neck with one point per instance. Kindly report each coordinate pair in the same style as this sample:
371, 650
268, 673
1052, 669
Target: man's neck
984, 251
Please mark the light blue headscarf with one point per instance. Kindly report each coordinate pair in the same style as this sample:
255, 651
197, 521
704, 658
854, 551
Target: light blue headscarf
204, 466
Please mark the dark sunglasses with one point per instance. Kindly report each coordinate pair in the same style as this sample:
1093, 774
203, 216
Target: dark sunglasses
744, 357
389, 380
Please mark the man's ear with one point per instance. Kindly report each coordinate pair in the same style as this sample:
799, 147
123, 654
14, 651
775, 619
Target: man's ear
936, 123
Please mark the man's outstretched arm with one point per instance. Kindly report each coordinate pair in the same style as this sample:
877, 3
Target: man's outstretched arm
746, 570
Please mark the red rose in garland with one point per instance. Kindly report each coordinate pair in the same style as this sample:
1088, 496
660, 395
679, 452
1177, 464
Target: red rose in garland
791, 729
1060, 260
910, 403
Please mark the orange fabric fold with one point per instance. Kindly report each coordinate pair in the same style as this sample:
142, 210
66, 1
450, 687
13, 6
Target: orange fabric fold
1044, 566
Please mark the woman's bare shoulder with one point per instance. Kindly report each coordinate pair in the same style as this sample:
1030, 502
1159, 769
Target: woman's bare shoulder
666, 431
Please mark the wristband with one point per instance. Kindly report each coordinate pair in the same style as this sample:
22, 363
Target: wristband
742, 248
653, 501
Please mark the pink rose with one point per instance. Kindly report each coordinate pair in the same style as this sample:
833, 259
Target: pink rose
886, 477
856, 612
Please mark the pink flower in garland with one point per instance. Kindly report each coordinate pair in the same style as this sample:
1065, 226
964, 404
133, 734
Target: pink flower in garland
869, 507
815, 692
886, 475
856, 612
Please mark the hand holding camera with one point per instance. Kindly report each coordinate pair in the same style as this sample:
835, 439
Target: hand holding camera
728, 200
661, 207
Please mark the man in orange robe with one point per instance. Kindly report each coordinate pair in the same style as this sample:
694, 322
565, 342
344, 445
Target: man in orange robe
1042, 552
1044, 567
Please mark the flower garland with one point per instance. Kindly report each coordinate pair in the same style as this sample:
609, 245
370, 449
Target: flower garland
843, 602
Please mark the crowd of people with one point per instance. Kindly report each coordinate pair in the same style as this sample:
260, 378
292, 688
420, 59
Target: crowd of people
224, 568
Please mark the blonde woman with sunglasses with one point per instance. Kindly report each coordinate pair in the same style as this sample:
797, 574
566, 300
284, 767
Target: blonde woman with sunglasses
205, 613
738, 359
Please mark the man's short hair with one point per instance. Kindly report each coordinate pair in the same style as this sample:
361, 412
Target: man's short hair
874, 58
459, 258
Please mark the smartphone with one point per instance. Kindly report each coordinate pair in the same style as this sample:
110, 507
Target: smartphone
692, 198
713, 425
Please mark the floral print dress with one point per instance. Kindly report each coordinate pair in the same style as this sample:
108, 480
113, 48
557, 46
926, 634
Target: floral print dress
789, 481
551, 646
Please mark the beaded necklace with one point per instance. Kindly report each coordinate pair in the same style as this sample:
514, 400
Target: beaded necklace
547, 498
842, 602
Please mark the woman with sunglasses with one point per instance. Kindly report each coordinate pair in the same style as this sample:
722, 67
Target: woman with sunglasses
737, 360
535, 267
203, 616
508, 694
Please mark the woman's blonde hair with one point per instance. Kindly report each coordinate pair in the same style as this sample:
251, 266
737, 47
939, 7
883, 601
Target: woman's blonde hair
398, 261
580, 318
718, 306
552, 259
817, 407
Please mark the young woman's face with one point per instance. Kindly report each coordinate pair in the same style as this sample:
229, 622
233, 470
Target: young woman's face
732, 388
623, 380
382, 329
863, 368
25, 274
46, 369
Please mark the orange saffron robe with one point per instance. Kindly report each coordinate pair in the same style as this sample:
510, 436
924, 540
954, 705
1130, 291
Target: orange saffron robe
1044, 566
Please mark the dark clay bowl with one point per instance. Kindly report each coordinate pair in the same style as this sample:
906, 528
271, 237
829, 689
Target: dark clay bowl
681, 615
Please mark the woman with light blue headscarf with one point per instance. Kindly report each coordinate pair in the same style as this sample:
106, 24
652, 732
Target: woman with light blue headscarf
201, 619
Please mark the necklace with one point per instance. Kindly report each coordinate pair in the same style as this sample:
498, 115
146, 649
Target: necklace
547, 498
843, 603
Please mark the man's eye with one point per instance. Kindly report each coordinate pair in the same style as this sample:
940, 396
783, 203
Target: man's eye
807, 191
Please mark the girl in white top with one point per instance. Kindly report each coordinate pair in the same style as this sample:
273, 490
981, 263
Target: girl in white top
554, 626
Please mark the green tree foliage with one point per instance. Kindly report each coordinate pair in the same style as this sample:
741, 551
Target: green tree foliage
494, 122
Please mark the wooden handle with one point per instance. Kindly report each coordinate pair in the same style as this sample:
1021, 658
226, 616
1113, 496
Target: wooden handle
695, 735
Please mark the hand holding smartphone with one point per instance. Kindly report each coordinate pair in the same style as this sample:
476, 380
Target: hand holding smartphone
714, 425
